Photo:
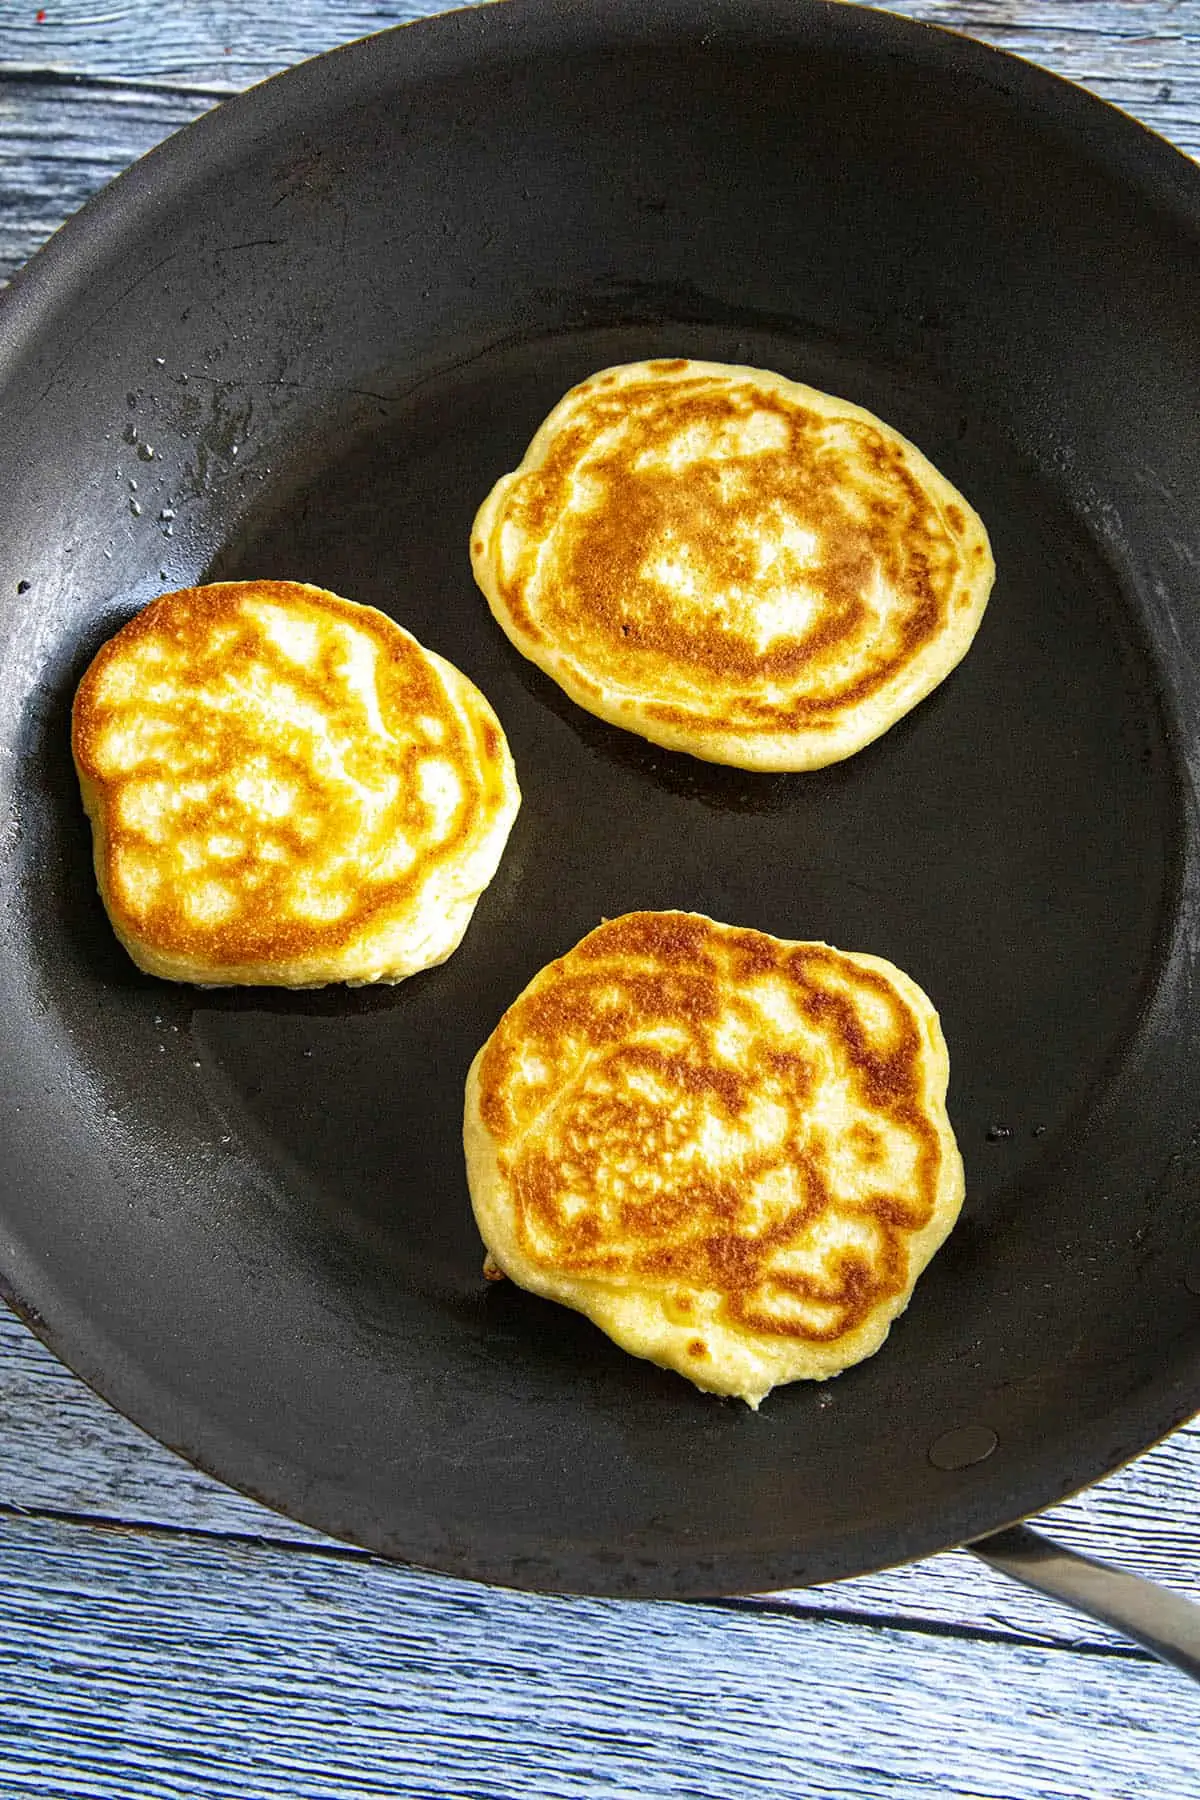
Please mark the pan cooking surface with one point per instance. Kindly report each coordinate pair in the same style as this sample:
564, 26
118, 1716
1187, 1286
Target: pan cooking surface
1010, 846
244, 1216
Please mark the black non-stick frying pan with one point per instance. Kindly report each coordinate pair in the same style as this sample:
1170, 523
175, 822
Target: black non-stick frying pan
301, 340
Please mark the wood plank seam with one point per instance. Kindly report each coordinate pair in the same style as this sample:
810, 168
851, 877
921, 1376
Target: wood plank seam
38, 74
770, 1606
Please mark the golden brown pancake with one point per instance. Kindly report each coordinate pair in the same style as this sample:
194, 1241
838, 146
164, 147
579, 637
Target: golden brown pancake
730, 1151
285, 788
732, 564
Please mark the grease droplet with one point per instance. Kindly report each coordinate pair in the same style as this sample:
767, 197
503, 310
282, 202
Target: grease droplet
959, 1449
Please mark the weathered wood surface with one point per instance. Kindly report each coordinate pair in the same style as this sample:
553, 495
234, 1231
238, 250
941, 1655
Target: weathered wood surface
303, 1675
163, 1636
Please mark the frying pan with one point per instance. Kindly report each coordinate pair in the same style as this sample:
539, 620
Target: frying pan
301, 340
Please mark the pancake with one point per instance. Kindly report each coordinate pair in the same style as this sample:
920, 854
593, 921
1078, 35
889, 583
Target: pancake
731, 1152
732, 564
286, 789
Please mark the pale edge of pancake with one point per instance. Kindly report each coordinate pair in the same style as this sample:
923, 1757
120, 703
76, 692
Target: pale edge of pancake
792, 750
424, 936
751, 1363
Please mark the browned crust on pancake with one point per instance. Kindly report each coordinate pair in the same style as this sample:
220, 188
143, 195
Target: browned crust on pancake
209, 631
591, 1020
579, 601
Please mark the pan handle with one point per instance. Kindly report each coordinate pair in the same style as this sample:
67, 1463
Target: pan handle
1162, 1622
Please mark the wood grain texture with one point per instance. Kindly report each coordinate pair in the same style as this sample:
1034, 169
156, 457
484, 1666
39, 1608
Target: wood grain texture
225, 44
59, 146
218, 45
1141, 55
300, 1676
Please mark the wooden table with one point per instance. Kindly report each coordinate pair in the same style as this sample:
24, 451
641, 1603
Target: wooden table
163, 1638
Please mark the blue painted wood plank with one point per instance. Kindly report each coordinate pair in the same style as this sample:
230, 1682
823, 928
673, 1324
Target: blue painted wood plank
59, 147
222, 45
166, 1669
227, 43
1125, 49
